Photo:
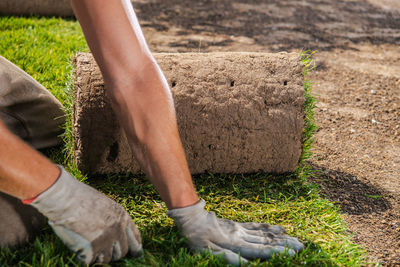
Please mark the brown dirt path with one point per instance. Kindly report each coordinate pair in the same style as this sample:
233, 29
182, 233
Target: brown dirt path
357, 84
358, 144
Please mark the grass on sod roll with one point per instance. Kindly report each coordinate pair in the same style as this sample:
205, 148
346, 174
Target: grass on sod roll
43, 48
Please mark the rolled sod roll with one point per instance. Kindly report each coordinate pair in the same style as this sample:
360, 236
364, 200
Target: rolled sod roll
36, 7
236, 113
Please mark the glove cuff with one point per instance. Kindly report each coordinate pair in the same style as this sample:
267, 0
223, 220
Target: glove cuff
180, 212
186, 217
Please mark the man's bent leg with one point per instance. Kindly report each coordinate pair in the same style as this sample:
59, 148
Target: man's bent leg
27, 108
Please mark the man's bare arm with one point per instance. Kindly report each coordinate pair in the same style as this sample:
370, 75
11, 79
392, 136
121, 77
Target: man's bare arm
24, 172
139, 94
143, 103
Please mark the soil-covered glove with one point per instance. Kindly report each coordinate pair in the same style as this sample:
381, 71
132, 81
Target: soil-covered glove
206, 232
92, 225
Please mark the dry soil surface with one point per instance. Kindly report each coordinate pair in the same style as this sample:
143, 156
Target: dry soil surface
357, 84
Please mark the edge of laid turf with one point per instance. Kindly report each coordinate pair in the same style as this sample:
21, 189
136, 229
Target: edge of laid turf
39, 46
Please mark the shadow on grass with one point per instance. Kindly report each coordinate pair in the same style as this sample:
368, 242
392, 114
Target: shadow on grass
259, 187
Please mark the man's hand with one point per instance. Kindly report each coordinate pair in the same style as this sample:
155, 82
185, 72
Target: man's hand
92, 225
229, 239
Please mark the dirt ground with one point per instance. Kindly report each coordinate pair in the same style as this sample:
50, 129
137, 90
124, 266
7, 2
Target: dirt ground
356, 82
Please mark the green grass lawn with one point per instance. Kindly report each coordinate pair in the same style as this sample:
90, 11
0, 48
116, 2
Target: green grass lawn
43, 48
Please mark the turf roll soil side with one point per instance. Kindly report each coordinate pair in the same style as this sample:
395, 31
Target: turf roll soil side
36, 7
236, 112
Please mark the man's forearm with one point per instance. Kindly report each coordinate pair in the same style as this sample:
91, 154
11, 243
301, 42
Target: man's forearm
24, 172
139, 94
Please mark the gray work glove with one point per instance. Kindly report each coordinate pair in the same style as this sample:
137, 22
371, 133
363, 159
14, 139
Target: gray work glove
92, 225
227, 238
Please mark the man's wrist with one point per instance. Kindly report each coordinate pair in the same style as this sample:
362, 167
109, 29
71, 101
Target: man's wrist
185, 202
28, 201
43, 188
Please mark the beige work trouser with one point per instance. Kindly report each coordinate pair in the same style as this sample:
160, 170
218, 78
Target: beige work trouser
27, 108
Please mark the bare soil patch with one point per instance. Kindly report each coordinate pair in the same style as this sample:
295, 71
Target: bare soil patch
358, 144
357, 84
